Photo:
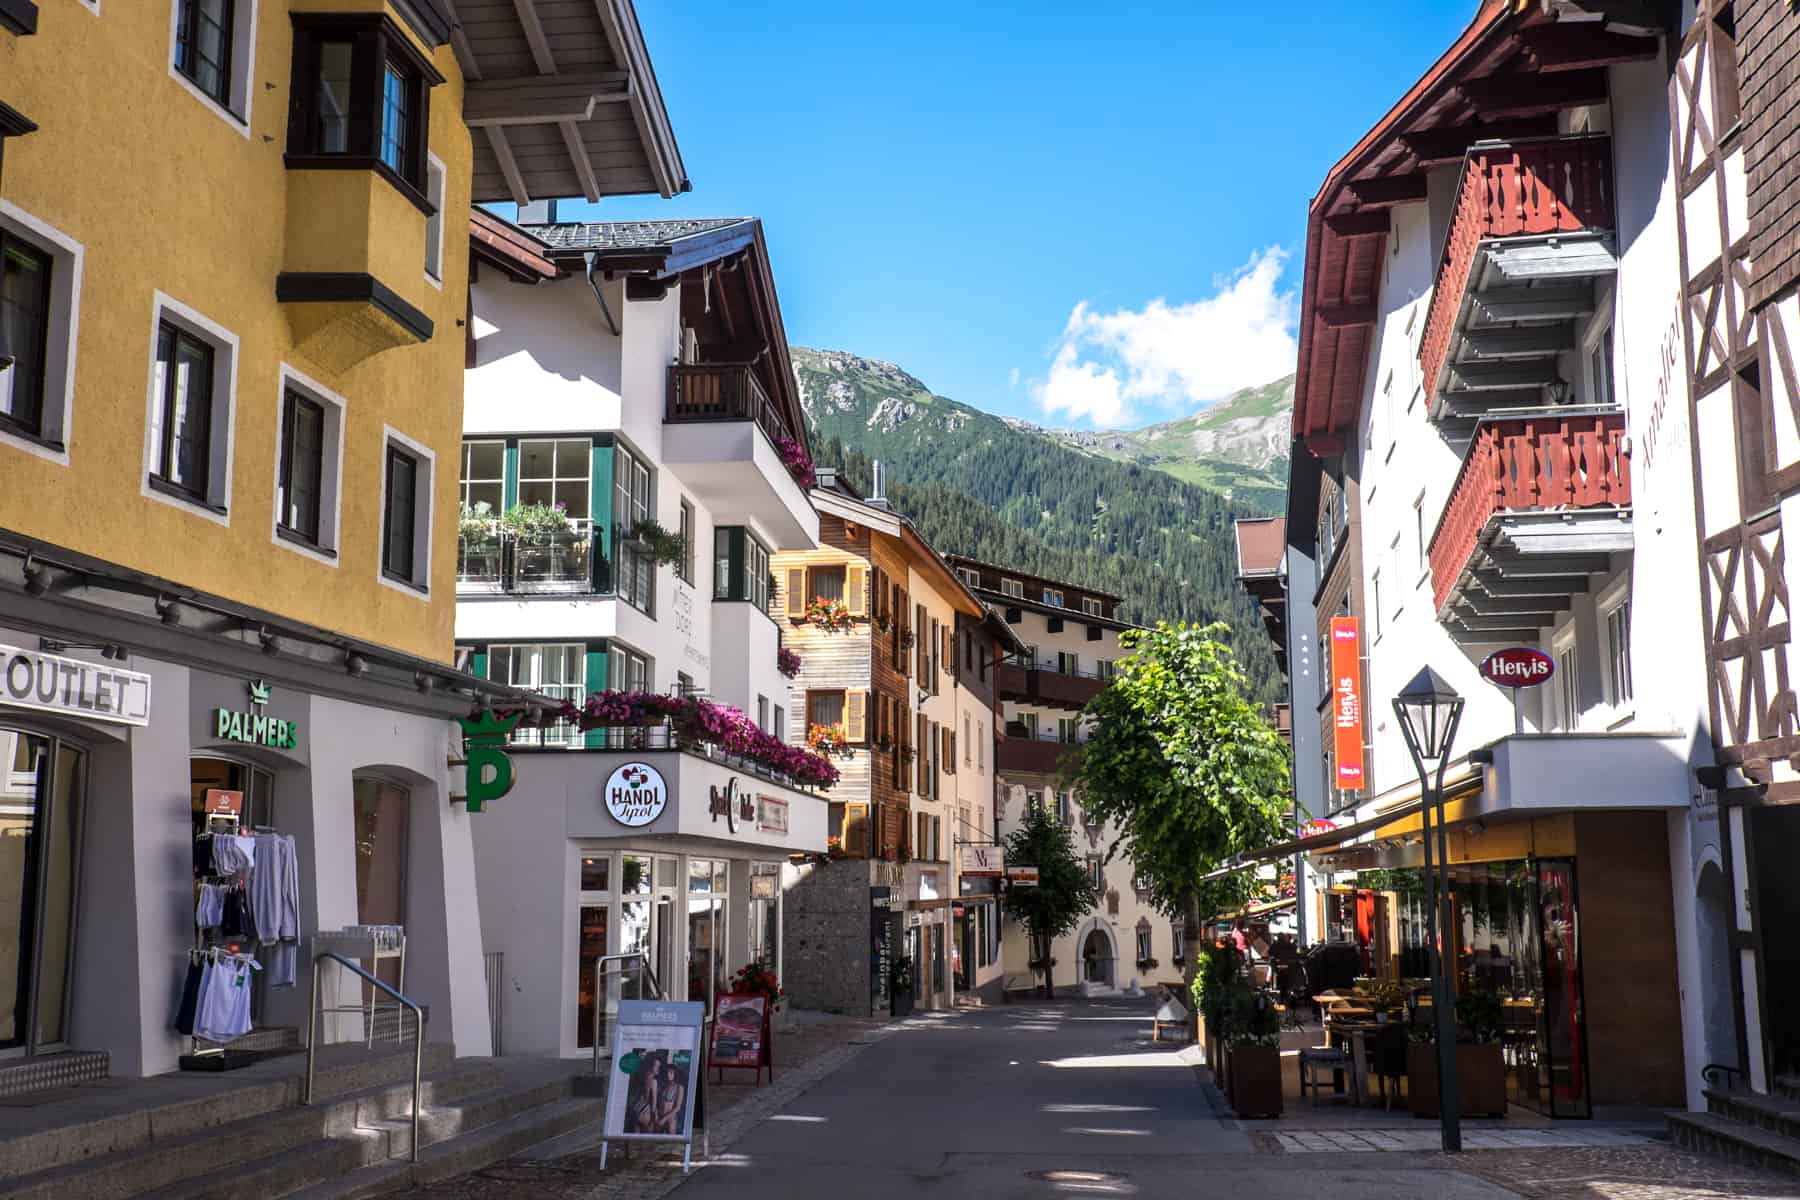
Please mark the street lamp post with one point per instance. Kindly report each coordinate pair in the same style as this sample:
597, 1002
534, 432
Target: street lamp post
1428, 710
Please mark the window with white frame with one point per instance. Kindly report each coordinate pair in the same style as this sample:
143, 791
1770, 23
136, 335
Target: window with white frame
780, 730
1568, 686
1068, 663
435, 176
1092, 606
554, 472
484, 476
40, 282
212, 47
406, 513
1600, 368
190, 409
762, 713
1618, 653
1053, 596
981, 745
969, 576
309, 452
1143, 940
1106, 668
1013, 588
557, 670
686, 566
626, 669
967, 740
632, 504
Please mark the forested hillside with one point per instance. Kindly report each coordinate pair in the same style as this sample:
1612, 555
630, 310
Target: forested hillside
976, 485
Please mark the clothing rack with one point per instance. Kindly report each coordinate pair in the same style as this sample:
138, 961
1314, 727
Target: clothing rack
211, 944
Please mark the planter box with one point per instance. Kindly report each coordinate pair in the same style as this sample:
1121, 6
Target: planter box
1480, 1079
1255, 1075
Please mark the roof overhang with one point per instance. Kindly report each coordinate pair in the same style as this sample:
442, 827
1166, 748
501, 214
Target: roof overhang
1507, 75
561, 103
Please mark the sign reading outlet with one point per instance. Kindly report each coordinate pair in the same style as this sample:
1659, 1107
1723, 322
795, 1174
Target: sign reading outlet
253, 727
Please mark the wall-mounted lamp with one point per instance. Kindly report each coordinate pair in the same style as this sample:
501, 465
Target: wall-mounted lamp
355, 664
37, 576
168, 610
271, 644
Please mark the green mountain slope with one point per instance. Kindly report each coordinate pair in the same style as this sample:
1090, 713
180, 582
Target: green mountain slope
1006, 492
1237, 447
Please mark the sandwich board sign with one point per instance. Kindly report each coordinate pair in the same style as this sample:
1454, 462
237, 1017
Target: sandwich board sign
655, 1074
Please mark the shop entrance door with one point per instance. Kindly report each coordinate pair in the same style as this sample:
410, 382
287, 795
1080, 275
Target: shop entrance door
1775, 831
40, 784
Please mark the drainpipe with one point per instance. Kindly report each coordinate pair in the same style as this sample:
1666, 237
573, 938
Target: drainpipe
593, 263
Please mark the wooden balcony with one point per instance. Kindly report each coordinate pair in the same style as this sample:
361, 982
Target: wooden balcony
1026, 754
726, 440
722, 392
1013, 682
1044, 684
1530, 235
1539, 505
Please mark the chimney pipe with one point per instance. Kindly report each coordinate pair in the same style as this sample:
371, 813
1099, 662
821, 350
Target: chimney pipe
877, 493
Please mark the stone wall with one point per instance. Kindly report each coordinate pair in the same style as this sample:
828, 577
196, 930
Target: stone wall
826, 918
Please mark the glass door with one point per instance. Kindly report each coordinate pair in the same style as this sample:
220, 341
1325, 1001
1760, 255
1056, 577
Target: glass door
1564, 1029
40, 786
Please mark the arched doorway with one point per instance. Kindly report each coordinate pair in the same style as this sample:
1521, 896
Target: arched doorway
1097, 958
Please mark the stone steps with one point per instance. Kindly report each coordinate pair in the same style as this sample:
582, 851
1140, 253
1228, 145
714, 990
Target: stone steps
1775, 1114
1736, 1140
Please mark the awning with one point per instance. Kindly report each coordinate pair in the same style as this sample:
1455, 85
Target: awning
1252, 911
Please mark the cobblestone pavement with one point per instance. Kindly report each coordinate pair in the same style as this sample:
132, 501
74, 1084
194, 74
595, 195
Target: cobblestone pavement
569, 1168
1363, 1141
1649, 1172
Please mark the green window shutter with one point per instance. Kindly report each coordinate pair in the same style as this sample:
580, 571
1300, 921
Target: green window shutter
595, 739
478, 664
510, 490
600, 491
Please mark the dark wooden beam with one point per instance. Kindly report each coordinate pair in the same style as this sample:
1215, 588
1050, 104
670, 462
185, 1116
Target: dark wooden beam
1553, 585
1529, 95
1532, 341
1435, 147
1343, 316
1359, 224
1501, 305
1577, 46
1476, 377
1389, 189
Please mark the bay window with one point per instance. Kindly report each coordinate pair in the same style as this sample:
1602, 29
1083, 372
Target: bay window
740, 566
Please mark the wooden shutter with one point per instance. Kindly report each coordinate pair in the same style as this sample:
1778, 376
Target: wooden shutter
856, 589
796, 591
923, 645
856, 711
950, 760
856, 830
923, 773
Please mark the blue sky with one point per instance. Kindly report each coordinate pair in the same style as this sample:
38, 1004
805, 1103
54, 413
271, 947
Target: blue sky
996, 196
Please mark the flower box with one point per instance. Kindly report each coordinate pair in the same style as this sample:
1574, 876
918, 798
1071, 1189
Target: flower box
1480, 1079
1255, 1080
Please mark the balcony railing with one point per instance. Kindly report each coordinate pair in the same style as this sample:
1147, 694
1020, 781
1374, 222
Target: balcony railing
1533, 464
1521, 189
722, 392
1049, 682
497, 560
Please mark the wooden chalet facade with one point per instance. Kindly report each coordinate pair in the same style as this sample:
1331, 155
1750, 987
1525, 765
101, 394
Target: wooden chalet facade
880, 678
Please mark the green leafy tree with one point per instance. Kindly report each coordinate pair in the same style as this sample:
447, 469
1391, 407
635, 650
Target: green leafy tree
1064, 894
1186, 770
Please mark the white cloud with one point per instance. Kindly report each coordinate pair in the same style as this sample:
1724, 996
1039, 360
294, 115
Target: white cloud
1174, 356
1012, 378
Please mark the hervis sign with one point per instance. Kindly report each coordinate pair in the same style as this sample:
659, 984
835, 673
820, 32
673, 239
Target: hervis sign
1517, 667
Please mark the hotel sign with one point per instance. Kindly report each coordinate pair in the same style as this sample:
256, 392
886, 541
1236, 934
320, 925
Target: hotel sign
1347, 703
52, 683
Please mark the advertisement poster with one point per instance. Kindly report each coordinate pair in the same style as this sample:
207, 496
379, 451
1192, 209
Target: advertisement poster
737, 1038
1346, 702
655, 1071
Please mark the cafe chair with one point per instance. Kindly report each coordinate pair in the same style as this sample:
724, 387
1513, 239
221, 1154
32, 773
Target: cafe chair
1296, 996
1333, 1062
1387, 1060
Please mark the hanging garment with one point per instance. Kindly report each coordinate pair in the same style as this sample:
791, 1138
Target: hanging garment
203, 855
190, 997
235, 921
233, 854
284, 963
210, 909
275, 904
224, 1008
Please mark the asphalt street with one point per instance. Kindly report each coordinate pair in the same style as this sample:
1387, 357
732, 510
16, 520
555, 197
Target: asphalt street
1034, 1100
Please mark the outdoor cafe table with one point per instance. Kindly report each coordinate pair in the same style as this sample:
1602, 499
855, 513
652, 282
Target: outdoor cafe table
1357, 1034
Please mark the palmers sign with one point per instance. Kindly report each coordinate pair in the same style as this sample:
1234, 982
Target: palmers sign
1518, 667
635, 794
52, 683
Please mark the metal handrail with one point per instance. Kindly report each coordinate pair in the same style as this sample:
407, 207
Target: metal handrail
312, 1033
643, 961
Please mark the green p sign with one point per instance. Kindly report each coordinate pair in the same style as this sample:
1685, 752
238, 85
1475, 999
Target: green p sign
490, 770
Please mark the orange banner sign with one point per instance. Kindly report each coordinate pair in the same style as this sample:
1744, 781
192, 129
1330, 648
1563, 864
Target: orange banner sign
1347, 702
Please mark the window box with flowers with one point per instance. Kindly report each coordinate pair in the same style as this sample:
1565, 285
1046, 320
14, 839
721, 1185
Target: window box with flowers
787, 662
829, 615
701, 724
663, 547
831, 740
796, 459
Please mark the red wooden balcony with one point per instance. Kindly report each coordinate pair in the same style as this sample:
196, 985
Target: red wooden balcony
1028, 754
1531, 227
1545, 465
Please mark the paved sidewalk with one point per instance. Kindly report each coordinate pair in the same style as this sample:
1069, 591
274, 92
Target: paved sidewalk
1658, 1171
568, 1168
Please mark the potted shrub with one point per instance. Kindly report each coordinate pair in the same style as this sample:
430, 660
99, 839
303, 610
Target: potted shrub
536, 523
1480, 1068
663, 547
1253, 1034
1217, 969
1146, 965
